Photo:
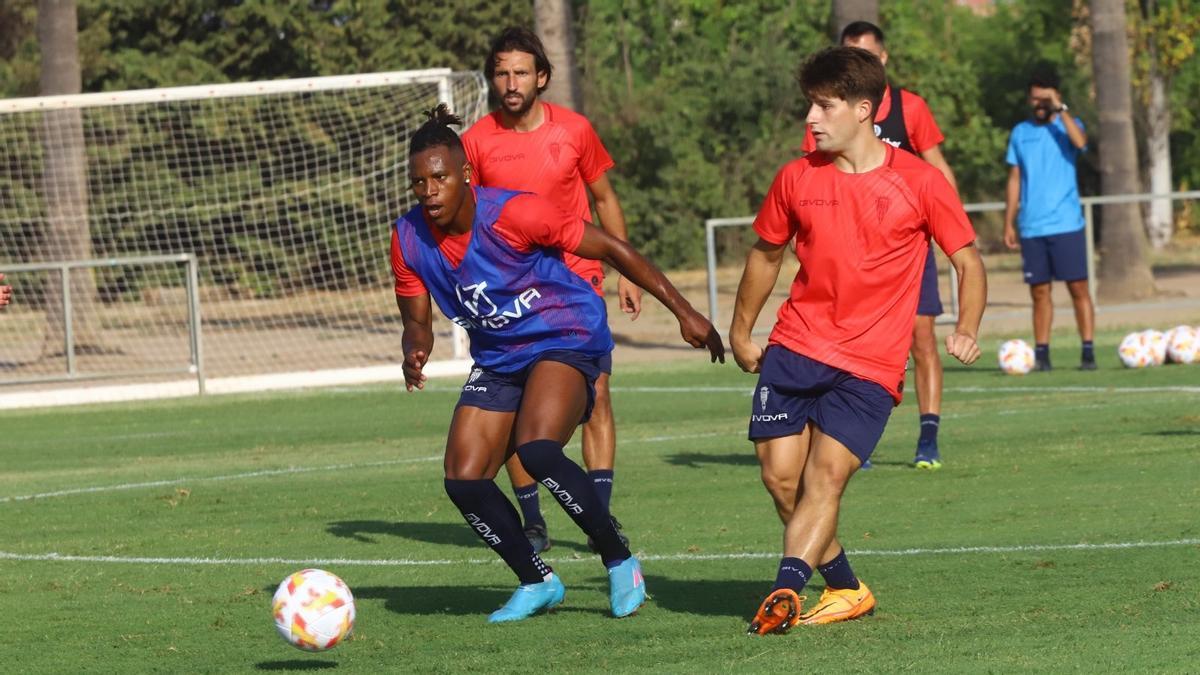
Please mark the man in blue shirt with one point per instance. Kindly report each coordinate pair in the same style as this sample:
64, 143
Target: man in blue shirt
1042, 200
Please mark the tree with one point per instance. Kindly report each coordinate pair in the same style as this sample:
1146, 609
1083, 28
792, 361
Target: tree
64, 183
555, 26
1164, 34
846, 11
1124, 273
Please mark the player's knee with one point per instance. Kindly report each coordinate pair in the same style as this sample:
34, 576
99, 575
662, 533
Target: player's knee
1079, 290
781, 487
540, 457
1040, 292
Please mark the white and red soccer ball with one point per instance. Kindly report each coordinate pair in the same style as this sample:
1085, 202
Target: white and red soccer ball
1137, 350
1183, 344
314, 610
1158, 345
1016, 357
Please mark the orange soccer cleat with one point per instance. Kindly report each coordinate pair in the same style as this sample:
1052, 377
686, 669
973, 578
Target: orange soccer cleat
779, 612
841, 604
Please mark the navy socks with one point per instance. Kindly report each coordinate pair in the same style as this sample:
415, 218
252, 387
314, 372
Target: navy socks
837, 572
793, 573
929, 428
494, 519
531, 510
602, 480
569, 485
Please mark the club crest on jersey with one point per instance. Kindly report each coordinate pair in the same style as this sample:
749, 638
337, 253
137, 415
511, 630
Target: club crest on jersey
555, 149
484, 313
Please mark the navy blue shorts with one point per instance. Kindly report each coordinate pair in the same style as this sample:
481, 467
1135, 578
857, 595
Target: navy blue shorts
792, 389
930, 303
502, 392
1055, 257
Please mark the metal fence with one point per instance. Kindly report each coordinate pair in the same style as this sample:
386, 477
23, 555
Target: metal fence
1089, 204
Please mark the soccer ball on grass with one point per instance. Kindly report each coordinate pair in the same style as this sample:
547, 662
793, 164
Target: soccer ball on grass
314, 610
1016, 357
1183, 345
1136, 350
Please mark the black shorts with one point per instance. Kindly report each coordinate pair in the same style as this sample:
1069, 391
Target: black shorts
502, 392
792, 389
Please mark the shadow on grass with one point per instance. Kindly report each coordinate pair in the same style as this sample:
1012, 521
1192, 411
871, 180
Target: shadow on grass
1175, 432
473, 601
450, 534
708, 597
295, 664
697, 460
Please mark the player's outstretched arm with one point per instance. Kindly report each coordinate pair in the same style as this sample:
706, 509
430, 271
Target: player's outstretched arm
695, 329
758, 278
972, 297
417, 339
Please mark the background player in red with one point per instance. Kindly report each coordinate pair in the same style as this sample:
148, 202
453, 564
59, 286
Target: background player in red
492, 261
905, 121
860, 214
5, 292
536, 146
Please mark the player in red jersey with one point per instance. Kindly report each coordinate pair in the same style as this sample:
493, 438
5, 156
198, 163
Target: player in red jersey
860, 214
905, 121
532, 145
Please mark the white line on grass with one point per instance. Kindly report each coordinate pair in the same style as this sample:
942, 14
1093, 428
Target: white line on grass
288, 471
669, 557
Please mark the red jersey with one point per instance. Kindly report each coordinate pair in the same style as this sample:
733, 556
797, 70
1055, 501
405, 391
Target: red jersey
526, 222
557, 160
862, 240
923, 131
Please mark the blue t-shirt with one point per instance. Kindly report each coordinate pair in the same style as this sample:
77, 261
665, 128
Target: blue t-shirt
1049, 189
514, 305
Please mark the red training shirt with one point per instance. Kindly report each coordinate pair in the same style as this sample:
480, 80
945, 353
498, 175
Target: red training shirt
526, 222
556, 160
862, 241
923, 131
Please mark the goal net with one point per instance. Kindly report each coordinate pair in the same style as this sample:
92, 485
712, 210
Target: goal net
284, 191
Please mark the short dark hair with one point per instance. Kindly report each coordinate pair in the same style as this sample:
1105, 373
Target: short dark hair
436, 131
857, 29
519, 39
1043, 75
848, 73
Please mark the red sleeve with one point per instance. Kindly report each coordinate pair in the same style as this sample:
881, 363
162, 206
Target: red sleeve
923, 131
529, 221
774, 222
948, 223
809, 143
408, 284
594, 160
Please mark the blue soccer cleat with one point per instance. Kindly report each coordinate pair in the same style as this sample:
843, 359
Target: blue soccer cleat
626, 587
529, 599
927, 456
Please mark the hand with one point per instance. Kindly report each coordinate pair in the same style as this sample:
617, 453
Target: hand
1011, 240
747, 354
1055, 100
414, 362
630, 297
5, 293
698, 332
962, 347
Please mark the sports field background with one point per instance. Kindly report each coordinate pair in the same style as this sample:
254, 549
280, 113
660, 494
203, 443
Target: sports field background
1062, 534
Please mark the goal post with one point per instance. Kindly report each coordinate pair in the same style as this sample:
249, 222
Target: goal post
284, 191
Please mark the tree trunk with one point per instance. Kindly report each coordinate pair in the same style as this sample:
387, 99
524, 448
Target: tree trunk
847, 11
64, 183
556, 28
1124, 273
1159, 218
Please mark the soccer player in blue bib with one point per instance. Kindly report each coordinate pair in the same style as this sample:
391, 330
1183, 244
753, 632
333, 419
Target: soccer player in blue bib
492, 261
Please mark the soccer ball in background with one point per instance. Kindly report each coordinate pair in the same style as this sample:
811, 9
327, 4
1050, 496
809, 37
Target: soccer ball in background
1183, 345
1158, 345
1136, 350
314, 610
1016, 357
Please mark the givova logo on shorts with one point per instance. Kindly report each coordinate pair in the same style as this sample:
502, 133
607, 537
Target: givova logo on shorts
763, 394
482, 312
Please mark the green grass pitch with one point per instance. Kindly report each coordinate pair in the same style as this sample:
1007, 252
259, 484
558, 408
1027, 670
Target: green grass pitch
1063, 534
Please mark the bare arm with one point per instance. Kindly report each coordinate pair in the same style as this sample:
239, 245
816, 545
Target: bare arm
758, 280
612, 219
417, 339
695, 329
1012, 201
935, 157
972, 297
5, 292
1074, 131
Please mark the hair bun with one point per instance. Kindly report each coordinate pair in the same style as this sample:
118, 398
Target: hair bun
442, 115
